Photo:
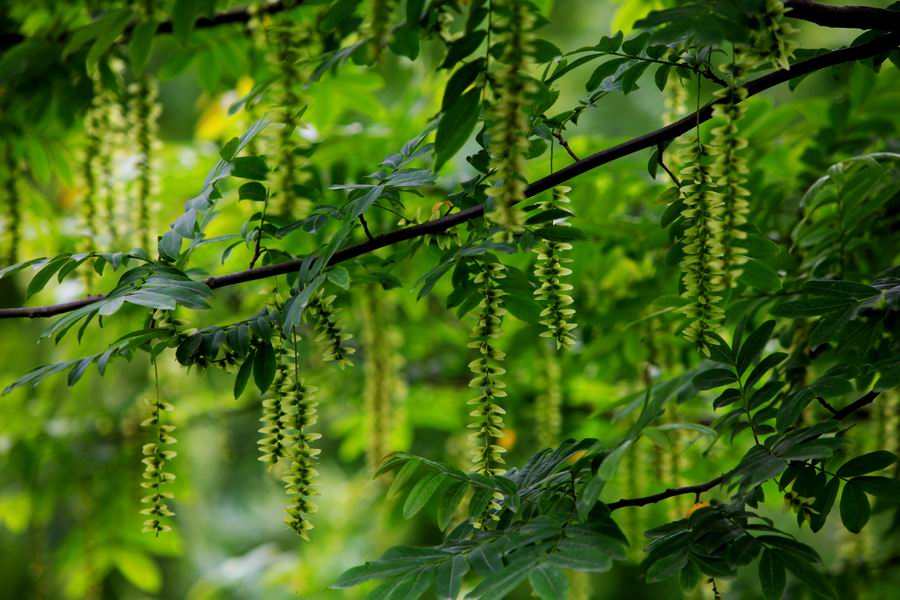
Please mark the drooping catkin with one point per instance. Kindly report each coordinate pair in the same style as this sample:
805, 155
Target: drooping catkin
321, 312
549, 271
383, 383
770, 41
155, 459
731, 167
702, 263
144, 111
290, 42
487, 417
272, 443
11, 233
548, 411
299, 417
508, 146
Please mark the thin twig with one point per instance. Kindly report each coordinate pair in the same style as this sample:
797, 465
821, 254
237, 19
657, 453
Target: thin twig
565, 145
365, 227
660, 148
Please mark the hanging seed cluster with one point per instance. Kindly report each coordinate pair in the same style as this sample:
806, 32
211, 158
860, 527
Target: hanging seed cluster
11, 230
291, 43
509, 120
487, 416
702, 264
144, 111
770, 42
549, 403
321, 312
155, 476
549, 271
731, 167
380, 24
299, 408
383, 362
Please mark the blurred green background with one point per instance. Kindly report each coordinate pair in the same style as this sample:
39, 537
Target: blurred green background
70, 457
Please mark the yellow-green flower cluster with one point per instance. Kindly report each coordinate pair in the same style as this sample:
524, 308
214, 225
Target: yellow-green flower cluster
513, 22
488, 415
291, 43
549, 271
299, 417
702, 264
731, 167
272, 443
11, 230
155, 475
322, 313
770, 41
144, 109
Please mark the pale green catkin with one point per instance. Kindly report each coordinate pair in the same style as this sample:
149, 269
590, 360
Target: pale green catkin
702, 263
144, 109
383, 384
487, 417
272, 443
299, 417
548, 411
155, 459
11, 234
321, 312
549, 271
291, 46
731, 167
770, 41
513, 22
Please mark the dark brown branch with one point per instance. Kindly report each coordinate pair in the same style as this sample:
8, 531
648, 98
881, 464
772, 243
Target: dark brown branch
855, 406
705, 487
643, 142
669, 493
848, 17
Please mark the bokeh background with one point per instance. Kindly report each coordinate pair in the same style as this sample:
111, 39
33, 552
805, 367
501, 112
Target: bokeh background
70, 456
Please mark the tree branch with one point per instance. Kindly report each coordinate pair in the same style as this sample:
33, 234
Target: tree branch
849, 17
705, 487
643, 142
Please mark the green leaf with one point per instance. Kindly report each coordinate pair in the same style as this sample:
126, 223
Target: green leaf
44, 275
403, 476
138, 568
753, 345
141, 44
610, 464
243, 375
252, 190
264, 367
760, 276
588, 496
420, 494
855, 508
713, 378
810, 307
449, 502
883, 488
805, 572
867, 463
250, 167
339, 276
772, 575
108, 36
549, 583
505, 580
184, 13
667, 566
449, 577
456, 126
